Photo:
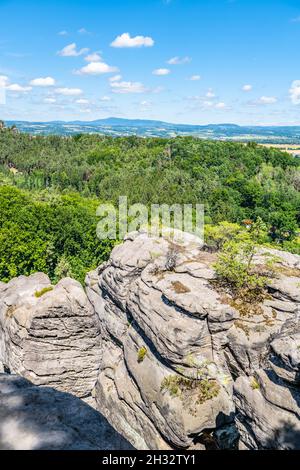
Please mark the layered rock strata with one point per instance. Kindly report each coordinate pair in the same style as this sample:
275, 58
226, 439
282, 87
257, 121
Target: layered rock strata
167, 355
49, 334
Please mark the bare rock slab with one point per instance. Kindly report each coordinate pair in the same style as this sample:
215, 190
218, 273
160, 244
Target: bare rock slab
49, 334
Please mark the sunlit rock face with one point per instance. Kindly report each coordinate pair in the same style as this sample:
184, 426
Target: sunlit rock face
268, 403
162, 326
166, 355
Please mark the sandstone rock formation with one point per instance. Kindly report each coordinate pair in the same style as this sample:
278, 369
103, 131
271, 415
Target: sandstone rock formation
172, 359
49, 335
177, 318
41, 418
163, 327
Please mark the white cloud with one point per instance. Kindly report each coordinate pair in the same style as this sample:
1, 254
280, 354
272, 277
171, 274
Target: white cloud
127, 87
204, 103
145, 105
116, 78
179, 60
3, 81
294, 92
50, 100
195, 78
158, 89
86, 110
210, 93
18, 88
247, 88
82, 101
43, 81
83, 31
207, 104
105, 98
125, 40
69, 91
17, 55
161, 72
63, 33
94, 57
71, 51
220, 105
267, 100
96, 68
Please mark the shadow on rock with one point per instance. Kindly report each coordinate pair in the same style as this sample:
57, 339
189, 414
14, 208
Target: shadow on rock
286, 435
42, 418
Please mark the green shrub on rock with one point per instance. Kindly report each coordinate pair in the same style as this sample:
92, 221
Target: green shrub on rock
236, 268
141, 354
179, 386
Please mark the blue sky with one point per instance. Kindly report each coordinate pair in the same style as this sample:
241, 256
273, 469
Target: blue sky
188, 61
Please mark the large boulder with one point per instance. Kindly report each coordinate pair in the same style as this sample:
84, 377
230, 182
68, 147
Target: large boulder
164, 331
258, 322
169, 330
42, 418
49, 334
166, 353
268, 404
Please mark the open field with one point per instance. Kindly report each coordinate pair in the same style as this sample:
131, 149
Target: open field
293, 149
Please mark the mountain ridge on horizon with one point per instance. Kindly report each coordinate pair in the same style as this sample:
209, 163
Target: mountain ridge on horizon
153, 128
112, 120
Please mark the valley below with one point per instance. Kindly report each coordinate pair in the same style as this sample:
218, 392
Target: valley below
147, 128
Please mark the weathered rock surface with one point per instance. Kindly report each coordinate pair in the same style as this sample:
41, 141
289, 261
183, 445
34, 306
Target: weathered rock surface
50, 338
188, 328
268, 404
172, 360
181, 322
41, 418
250, 337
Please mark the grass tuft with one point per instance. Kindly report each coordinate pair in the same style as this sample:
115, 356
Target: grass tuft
141, 354
42, 292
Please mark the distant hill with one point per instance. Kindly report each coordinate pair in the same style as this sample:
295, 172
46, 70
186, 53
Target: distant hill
150, 128
127, 122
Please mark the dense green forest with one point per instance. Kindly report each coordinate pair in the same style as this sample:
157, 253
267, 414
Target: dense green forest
50, 187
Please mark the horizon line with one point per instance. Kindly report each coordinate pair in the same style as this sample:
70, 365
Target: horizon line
149, 120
